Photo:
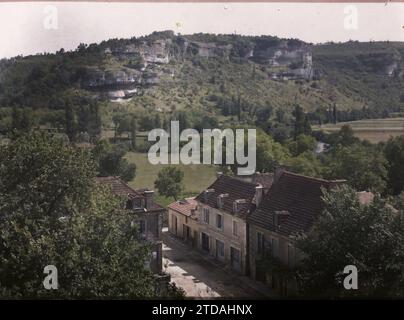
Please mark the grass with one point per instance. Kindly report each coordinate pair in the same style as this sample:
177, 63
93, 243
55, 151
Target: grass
374, 130
196, 177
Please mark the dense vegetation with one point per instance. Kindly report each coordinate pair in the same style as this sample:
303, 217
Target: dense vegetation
53, 213
47, 183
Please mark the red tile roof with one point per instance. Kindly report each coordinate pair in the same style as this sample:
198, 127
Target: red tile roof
298, 195
365, 197
120, 188
184, 206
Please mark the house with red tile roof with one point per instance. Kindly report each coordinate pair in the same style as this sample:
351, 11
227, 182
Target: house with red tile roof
182, 220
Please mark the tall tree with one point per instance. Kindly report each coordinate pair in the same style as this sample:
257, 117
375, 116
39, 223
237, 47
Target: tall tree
365, 167
53, 213
394, 152
133, 126
70, 122
370, 237
169, 182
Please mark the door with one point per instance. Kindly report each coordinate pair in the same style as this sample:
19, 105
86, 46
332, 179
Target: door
205, 242
186, 230
235, 258
175, 225
219, 250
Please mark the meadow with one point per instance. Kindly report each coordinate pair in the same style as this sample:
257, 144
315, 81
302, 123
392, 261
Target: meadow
196, 177
373, 130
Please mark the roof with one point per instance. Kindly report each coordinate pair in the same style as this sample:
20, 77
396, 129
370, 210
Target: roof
365, 197
120, 188
264, 179
296, 198
236, 189
184, 206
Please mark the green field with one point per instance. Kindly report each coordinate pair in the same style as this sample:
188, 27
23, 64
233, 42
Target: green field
375, 130
196, 177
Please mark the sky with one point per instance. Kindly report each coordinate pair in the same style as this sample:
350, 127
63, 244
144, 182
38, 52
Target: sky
29, 28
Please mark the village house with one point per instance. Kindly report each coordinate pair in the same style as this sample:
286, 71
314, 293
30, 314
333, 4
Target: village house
221, 213
290, 207
147, 214
182, 220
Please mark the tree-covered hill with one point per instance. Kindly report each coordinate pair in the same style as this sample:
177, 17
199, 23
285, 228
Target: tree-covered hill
232, 78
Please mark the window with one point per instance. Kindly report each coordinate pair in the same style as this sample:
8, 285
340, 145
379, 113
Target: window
235, 228
219, 221
260, 242
206, 215
219, 250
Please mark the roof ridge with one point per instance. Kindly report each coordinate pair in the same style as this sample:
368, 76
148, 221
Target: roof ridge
310, 178
238, 180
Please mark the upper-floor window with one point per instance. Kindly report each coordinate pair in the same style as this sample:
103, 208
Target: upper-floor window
219, 221
260, 242
235, 228
206, 215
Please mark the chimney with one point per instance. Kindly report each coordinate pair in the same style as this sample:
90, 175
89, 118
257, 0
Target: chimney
258, 194
220, 200
206, 194
237, 204
280, 216
278, 171
149, 199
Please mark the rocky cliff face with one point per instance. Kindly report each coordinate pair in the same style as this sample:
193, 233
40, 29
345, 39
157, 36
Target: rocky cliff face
146, 58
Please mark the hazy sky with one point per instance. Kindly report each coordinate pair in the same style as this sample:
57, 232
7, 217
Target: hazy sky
22, 28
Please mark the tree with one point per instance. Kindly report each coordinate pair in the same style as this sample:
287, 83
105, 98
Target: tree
169, 182
53, 213
269, 152
334, 113
365, 168
70, 122
394, 152
346, 136
133, 126
302, 123
369, 237
111, 162
306, 163
302, 144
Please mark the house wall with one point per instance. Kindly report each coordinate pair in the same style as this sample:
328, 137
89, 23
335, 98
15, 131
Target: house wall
182, 221
275, 245
225, 235
153, 225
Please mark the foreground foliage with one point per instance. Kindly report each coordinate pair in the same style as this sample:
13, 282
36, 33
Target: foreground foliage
52, 213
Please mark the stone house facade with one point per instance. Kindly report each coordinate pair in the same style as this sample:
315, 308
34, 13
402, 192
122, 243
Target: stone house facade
182, 220
221, 212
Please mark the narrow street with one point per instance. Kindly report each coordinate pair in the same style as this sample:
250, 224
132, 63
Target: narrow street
201, 277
